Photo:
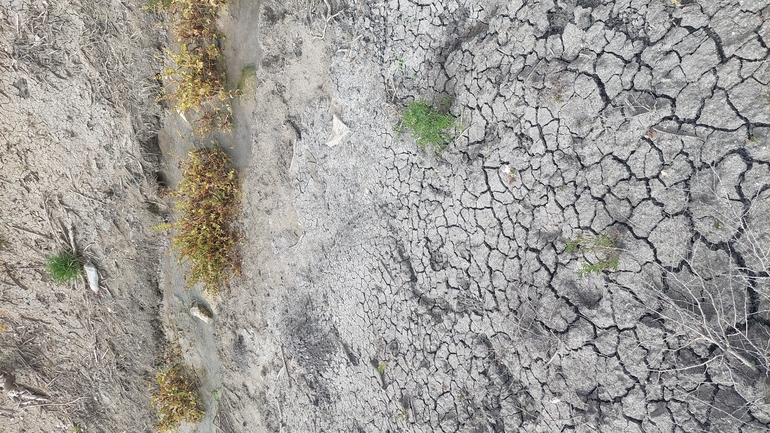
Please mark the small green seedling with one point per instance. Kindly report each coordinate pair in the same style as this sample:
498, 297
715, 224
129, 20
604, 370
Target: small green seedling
603, 247
63, 267
428, 125
381, 367
718, 224
403, 415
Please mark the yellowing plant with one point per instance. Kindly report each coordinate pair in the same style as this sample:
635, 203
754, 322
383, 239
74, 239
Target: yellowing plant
196, 80
177, 399
208, 198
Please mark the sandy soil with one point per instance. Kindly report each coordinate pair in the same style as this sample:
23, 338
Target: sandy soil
78, 165
386, 288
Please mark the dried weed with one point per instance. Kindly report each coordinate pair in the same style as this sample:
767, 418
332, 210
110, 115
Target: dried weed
207, 198
196, 77
177, 399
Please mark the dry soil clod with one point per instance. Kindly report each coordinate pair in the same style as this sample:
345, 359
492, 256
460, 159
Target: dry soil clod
200, 312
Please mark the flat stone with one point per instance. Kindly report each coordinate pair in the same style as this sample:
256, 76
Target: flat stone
201, 312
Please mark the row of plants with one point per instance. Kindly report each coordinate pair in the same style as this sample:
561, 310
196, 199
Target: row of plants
207, 198
207, 201
208, 195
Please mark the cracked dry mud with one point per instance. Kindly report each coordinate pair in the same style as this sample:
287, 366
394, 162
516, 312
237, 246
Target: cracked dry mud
386, 289
397, 291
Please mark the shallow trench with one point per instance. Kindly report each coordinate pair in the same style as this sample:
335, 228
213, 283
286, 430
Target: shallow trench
242, 53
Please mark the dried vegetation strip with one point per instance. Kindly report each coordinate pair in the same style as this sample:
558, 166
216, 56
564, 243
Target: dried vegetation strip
208, 198
196, 80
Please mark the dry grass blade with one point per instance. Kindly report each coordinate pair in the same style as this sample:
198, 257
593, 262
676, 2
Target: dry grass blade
208, 198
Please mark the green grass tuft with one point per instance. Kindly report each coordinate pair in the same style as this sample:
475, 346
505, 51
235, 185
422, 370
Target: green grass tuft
429, 126
208, 200
63, 267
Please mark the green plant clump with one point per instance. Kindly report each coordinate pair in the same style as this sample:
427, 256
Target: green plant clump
177, 399
63, 267
198, 83
603, 247
428, 125
208, 198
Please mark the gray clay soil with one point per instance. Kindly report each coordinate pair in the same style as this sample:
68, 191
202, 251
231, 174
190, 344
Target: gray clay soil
385, 288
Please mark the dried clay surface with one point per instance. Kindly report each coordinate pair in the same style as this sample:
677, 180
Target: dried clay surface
589, 254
